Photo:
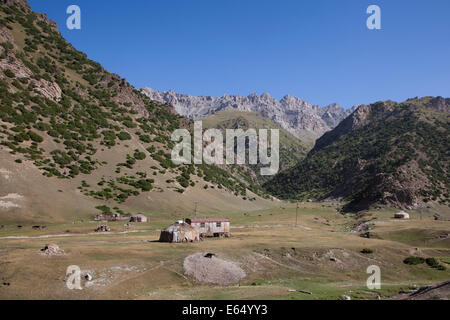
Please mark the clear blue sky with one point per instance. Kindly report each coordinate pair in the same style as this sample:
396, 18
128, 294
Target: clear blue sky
318, 50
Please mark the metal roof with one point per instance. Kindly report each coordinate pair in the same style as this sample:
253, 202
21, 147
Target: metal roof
208, 220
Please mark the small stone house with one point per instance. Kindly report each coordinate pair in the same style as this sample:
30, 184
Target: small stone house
138, 218
211, 227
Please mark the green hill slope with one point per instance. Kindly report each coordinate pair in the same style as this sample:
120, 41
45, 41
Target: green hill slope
389, 153
292, 149
74, 136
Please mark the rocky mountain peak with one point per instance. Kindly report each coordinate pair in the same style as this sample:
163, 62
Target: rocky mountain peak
291, 113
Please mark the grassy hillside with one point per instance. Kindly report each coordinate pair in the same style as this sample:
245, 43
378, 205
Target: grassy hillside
292, 149
74, 136
388, 153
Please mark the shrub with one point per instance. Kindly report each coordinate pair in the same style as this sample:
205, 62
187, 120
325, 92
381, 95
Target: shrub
9, 73
139, 155
104, 209
145, 138
35, 137
432, 262
414, 260
124, 136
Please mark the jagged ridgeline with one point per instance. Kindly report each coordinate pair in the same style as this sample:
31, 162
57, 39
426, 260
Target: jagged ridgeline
60, 110
388, 153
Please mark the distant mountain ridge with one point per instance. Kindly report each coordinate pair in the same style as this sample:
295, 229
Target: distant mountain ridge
387, 153
292, 114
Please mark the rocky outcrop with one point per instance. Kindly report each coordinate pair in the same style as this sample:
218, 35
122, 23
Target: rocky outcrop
291, 113
23, 4
48, 89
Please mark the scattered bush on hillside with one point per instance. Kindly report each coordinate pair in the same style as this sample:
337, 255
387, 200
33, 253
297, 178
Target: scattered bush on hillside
414, 260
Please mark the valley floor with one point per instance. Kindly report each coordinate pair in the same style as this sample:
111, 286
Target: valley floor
320, 256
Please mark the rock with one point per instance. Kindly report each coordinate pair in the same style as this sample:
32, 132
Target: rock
88, 277
103, 228
344, 297
291, 113
52, 250
21, 3
401, 215
333, 259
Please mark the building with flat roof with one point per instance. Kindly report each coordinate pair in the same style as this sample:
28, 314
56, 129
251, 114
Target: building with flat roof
211, 227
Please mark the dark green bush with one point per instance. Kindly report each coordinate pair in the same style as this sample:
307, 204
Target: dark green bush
414, 260
124, 136
35, 137
139, 155
9, 73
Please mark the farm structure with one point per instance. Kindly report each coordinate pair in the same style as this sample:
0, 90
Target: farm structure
180, 232
211, 227
115, 217
138, 218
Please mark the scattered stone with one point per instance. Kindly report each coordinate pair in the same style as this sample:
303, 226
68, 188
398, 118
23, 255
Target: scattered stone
344, 297
401, 215
363, 227
103, 228
52, 250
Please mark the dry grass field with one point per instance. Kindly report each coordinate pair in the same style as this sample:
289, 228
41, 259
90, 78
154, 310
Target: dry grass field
320, 255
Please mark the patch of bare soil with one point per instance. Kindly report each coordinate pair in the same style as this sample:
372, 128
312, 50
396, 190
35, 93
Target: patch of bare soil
208, 269
97, 279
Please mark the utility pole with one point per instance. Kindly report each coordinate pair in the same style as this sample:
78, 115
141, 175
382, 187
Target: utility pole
296, 215
195, 210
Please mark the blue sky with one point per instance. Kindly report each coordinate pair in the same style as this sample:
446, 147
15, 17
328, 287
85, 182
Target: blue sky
318, 50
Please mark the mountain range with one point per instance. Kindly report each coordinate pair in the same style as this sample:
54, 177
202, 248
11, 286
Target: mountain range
292, 114
76, 140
